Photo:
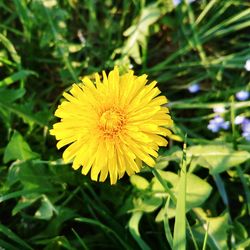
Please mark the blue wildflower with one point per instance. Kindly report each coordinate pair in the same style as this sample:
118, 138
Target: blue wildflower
218, 123
219, 109
194, 88
242, 95
177, 2
247, 65
246, 129
239, 119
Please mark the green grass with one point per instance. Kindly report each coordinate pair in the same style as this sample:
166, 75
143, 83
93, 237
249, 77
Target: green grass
196, 198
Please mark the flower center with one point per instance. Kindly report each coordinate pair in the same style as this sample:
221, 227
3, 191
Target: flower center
111, 122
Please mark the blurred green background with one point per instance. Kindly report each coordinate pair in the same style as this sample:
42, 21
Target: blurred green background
198, 52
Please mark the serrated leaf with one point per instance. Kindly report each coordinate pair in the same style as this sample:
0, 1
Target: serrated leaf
18, 149
138, 32
24, 112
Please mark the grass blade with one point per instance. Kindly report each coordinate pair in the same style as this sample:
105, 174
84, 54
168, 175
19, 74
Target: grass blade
168, 233
7, 232
179, 241
104, 227
205, 237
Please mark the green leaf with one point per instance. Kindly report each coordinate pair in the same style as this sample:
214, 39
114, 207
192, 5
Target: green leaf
57, 243
138, 32
218, 158
139, 182
105, 228
55, 224
20, 75
6, 245
25, 113
9, 46
25, 16
134, 230
22, 192
7, 232
147, 203
217, 229
27, 171
18, 149
45, 211
24, 202
10, 95
194, 196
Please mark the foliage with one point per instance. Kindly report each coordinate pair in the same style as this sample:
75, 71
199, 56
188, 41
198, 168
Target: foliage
47, 45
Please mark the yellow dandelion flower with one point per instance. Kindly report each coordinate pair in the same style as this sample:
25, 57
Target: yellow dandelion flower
112, 125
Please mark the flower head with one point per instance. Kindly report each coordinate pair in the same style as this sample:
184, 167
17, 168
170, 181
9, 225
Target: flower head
219, 109
112, 125
239, 119
217, 123
247, 65
246, 129
194, 88
177, 2
242, 95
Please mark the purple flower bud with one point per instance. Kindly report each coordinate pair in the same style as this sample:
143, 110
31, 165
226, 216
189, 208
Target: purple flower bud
194, 88
247, 65
242, 95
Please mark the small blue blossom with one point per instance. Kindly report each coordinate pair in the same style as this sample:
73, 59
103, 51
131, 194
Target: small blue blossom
219, 109
239, 119
247, 65
246, 125
225, 125
246, 129
213, 127
218, 123
246, 136
194, 88
177, 2
242, 95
